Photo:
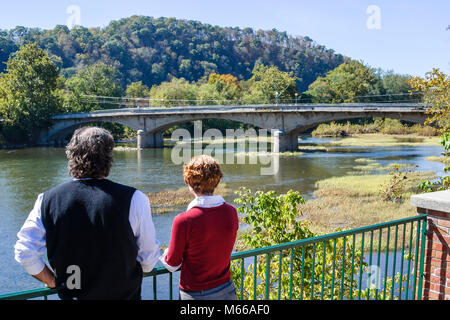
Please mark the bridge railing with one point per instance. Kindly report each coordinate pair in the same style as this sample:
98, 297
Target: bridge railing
383, 261
125, 102
341, 107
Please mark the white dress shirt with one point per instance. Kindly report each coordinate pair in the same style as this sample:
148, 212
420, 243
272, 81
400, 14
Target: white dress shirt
201, 202
31, 246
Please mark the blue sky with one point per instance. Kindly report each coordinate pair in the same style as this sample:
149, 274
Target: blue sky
411, 38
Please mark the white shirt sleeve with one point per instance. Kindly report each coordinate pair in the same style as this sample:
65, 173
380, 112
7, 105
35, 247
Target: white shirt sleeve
165, 264
144, 230
30, 246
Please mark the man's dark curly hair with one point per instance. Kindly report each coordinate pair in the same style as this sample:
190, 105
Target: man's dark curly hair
90, 153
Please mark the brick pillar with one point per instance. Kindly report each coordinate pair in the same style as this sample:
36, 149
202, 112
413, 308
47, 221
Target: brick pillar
436, 276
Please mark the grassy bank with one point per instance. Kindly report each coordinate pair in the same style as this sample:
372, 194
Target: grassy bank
365, 165
357, 200
172, 200
383, 140
443, 159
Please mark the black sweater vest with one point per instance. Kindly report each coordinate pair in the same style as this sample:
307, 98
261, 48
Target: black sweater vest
87, 226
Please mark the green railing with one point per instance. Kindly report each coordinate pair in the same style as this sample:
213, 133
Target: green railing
375, 262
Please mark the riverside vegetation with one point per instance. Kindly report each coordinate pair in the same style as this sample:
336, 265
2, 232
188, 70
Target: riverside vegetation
376, 126
274, 219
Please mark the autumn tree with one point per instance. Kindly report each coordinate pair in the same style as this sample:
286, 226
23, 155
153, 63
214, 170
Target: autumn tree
220, 89
435, 87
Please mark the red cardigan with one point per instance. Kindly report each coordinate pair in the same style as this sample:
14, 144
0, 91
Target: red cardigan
202, 241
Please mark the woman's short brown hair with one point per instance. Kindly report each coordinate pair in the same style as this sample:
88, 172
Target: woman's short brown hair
202, 174
90, 153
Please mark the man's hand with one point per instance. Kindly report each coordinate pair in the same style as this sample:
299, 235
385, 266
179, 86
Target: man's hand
46, 276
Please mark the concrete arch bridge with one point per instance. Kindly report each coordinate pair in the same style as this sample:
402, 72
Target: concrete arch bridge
287, 120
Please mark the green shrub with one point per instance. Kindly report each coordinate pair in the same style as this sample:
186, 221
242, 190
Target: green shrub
443, 182
274, 219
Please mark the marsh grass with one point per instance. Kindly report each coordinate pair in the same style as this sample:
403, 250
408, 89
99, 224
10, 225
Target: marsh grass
443, 159
364, 160
409, 139
171, 200
382, 140
312, 148
349, 202
372, 166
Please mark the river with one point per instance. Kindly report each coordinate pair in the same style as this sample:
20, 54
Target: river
25, 173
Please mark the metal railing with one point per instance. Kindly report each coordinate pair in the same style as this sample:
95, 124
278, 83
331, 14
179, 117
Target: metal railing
149, 102
383, 261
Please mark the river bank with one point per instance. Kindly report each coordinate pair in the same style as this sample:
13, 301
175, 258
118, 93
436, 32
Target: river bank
384, 140
357, 200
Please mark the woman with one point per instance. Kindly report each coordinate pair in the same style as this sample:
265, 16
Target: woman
203, 237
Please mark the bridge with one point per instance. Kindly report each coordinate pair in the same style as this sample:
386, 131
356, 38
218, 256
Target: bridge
288, 120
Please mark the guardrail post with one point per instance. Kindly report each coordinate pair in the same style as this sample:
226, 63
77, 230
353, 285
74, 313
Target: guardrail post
435, 249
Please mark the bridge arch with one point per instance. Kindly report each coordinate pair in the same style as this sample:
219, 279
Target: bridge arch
60, 132
164, 124
301, 126
154, 137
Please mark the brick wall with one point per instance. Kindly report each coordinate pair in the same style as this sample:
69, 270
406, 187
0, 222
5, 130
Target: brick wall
436, 276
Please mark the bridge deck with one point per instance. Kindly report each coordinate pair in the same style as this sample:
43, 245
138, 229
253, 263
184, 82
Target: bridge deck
283, 108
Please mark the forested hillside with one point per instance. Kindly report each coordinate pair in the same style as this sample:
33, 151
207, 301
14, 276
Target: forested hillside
153, 50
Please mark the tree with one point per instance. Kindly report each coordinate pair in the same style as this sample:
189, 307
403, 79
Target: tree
137, 90
174, 93
153, 50
396, 84
226, 84
269, 84
343, 84
29, 93
91, 82
435, 87
220, 89
7, 46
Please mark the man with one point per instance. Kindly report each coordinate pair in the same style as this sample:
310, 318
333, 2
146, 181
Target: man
99, 235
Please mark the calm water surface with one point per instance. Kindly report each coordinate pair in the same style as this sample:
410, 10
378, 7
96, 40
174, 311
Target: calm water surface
26, 173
